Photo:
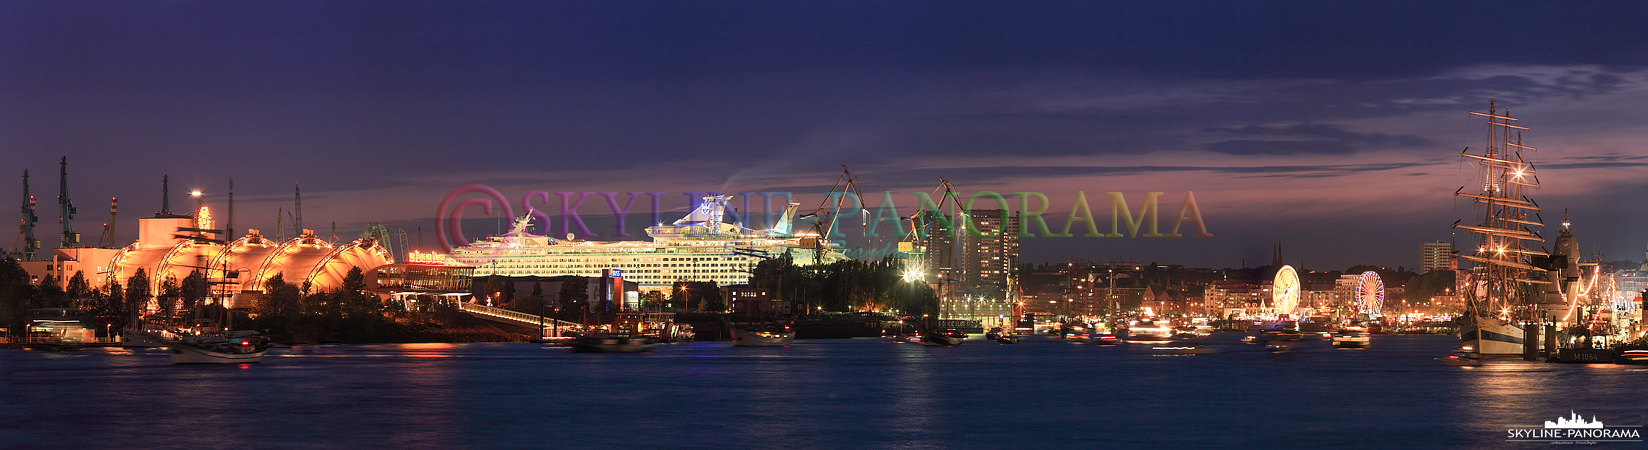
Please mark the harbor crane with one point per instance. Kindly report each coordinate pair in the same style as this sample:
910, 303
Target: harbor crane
26, 244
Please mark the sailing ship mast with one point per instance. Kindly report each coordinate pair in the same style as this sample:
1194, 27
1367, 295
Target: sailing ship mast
1501, 257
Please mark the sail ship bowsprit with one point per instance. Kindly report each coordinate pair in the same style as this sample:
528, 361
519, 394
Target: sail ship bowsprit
1508, 288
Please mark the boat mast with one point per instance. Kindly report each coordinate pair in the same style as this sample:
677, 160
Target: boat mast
1501, 255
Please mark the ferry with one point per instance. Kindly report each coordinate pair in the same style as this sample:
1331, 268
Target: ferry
698, 247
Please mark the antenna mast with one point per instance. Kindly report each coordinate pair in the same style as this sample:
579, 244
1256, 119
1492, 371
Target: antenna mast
229, 225
297, 202
165, 196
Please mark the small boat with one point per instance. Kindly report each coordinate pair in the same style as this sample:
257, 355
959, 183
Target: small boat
1631, 355
1250, 339
1461, 358
946, 337
995, 333
1107, 339
219, 347
613, 343
1007, 339
1351, 337
769, 336
1149, 332
1187, 348
1279, 346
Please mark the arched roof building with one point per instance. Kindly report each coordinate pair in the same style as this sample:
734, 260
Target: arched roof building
173, 247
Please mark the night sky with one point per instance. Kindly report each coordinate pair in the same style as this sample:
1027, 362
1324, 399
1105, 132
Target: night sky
1330, 128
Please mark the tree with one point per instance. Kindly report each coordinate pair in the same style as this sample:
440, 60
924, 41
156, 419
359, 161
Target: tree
137, 295
495, 288
112, 309
280, 300
353, 299
531, 303
192, 290
15, 292
78, 290
170, 292
575, 296
51, 294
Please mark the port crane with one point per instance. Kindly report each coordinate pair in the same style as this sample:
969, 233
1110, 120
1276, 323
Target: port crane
107, 241
847, 182
26, 244
920, 224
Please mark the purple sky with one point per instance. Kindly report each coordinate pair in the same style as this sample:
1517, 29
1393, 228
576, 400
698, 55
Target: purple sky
1332, 129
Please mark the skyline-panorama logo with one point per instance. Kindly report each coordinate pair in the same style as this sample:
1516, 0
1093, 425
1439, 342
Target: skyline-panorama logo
1574, 429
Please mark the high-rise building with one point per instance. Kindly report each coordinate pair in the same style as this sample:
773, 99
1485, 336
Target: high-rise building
975, 264
1436, 256
990, 259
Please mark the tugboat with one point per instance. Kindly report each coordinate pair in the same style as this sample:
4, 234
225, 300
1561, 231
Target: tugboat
613, 343
219, 347
767, 336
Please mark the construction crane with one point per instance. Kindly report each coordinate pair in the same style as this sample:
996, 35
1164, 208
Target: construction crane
26, 244
108, 228
69, 237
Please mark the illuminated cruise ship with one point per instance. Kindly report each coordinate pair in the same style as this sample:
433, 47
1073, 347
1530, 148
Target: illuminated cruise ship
698, 247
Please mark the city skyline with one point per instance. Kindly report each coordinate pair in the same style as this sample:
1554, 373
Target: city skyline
1331, 130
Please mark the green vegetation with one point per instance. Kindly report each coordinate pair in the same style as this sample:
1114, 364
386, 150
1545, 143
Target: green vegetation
846, 286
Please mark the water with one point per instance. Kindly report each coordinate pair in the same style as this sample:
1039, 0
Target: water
859, 393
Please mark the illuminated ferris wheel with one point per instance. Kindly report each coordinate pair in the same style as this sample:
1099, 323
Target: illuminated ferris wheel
1370, 294
1284, 291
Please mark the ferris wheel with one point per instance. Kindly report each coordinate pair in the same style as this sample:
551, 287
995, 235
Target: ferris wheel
1284, 290
1370, 294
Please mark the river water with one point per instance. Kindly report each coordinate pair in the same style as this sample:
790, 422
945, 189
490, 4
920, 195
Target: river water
850, 393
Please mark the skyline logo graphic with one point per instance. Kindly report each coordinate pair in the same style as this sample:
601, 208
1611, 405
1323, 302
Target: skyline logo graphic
1574, 421
1574, 429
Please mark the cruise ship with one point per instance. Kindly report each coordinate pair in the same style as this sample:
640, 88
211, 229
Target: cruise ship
699, 247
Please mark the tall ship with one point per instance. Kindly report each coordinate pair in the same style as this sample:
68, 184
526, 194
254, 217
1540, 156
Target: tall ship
1507, 286
699, 247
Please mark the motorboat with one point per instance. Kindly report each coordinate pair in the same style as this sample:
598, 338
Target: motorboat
1461, 358
1149, 332
1351, 337
768, 336
946, 337
614, 343
1187, 348
219, 347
